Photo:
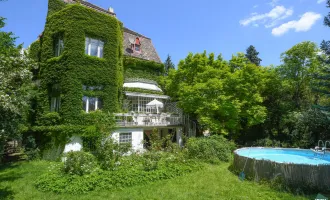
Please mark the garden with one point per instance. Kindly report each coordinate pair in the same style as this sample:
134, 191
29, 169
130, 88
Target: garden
199, 171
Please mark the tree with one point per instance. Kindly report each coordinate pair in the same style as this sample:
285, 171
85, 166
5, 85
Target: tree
15, 87
252, 55
168, 65
222, 99
299, 64
322, 82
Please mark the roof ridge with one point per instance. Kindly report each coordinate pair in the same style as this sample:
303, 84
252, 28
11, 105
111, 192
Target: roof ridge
134, 33
92, 6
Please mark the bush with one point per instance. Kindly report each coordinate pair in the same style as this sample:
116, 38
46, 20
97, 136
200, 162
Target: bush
79, 163
211, 149
31, 150
109, 153
127, 171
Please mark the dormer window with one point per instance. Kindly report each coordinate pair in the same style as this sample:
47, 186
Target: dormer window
135, 45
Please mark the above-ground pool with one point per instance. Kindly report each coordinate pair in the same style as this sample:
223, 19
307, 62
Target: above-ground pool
280, 155
297, 167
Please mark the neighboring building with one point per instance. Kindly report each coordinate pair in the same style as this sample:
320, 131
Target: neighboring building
88, 62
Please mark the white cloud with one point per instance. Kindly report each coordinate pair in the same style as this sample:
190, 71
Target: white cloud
320, 1
273, 23
272, 17
273, 3
256, 6
304, 24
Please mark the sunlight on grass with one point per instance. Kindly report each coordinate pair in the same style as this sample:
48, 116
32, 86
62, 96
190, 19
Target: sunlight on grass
214, 182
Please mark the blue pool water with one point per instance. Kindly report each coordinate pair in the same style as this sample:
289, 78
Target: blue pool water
282, 155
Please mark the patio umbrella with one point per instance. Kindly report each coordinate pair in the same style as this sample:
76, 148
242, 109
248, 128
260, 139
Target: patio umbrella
155, 104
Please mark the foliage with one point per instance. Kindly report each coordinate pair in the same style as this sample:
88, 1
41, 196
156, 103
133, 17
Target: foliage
308, 127
139, 73
322, 84
213, 149
17, 182
79, 163
7, 41
139, 64
15, 87
73, 68
110, 152
145, 91
299, 63
252, 55
127, 171
158, 143
225, 97
168, 65
30, 148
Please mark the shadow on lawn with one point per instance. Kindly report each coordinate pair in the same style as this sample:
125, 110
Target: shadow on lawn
6, 193
7, 174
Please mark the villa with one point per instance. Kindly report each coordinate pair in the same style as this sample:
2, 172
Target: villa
90, 62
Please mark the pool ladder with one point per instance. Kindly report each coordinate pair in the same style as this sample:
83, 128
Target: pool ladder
323, 149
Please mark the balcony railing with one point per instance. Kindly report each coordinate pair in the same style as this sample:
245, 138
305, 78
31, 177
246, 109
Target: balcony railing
129, 120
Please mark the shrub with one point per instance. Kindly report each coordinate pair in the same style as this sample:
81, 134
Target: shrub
79, 163
211, 149
128, 171
110, 152
31, 150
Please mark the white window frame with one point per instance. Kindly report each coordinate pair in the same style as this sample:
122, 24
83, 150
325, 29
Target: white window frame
129, 140
99, 46
58, 46
87, 103
55, 104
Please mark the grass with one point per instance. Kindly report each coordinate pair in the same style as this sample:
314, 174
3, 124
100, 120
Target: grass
213, 182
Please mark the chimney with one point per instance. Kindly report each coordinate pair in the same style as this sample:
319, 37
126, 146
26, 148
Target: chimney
110, 9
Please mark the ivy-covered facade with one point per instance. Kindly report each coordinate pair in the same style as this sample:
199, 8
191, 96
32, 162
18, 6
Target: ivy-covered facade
92, 69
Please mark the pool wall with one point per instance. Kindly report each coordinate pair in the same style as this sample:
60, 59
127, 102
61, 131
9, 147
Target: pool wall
295, 175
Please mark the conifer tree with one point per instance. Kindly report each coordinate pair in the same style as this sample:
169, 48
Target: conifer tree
168, 65
252, 55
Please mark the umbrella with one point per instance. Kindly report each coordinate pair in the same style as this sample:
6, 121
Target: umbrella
155, 104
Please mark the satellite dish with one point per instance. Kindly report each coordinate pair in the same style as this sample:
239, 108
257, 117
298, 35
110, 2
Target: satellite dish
131, 40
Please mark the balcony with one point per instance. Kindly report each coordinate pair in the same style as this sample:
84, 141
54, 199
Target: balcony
147, 120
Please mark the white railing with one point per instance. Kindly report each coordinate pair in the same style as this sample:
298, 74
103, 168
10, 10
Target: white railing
127, 120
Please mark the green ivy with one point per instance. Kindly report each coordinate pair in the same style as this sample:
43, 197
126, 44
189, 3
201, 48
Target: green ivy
143, 91
73, 69
147, 65
55, 6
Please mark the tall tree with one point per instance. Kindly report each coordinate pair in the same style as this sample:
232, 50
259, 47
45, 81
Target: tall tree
15, 87
252, 55
322, 82
299, 64
168, 65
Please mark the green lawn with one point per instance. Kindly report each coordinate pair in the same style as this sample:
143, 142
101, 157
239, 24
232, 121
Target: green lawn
213, 182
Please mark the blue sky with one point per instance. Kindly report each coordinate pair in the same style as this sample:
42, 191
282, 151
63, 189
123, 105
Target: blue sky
178, 27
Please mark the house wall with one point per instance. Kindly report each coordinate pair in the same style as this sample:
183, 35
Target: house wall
137, 137
75, 144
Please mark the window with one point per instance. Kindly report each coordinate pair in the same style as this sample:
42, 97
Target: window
55, 104
125, 138
59, 46
136, 47
55, 100
92, 103
94, 47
